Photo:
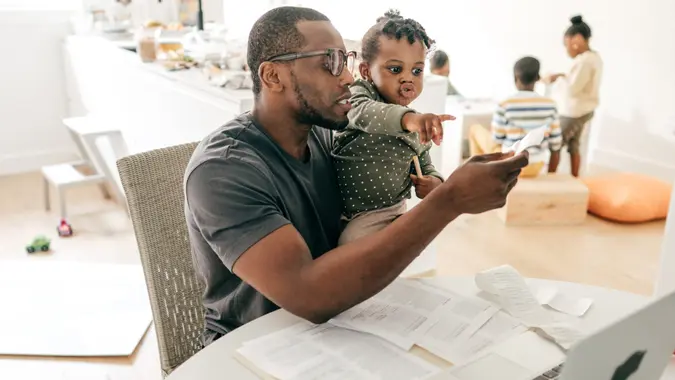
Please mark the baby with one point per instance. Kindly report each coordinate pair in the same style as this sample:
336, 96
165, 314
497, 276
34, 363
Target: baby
374, 155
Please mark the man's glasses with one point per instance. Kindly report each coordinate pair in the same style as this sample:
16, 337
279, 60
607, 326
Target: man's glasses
336, 61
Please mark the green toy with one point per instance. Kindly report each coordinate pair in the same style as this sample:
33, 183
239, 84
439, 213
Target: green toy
40, 243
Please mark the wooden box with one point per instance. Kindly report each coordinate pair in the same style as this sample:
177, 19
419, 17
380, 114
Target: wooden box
549, 199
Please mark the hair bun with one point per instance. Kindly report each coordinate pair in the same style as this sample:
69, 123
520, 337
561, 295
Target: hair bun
577, 20
391, 14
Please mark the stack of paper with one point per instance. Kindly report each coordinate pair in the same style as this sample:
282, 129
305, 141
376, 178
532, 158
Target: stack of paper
372, 339
306, 351
446, 324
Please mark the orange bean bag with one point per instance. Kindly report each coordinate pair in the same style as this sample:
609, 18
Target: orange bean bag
628, 197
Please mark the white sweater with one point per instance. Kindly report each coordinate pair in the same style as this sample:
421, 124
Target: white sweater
577, 93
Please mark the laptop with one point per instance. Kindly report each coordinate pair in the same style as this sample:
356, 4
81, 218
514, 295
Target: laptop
638, 346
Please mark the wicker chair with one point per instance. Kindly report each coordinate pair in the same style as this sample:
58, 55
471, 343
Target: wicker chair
153, 183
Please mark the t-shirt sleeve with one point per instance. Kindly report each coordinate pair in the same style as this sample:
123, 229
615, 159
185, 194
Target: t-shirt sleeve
234, 205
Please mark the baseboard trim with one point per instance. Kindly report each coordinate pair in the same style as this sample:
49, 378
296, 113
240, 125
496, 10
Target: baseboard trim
28, 162
620, 161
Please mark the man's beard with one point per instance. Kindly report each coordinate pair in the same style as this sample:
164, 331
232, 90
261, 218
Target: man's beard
309, 115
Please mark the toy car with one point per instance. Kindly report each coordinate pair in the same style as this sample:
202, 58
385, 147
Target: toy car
64, 229
40, 243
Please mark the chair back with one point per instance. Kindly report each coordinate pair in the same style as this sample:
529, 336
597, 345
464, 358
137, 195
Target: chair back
153, 183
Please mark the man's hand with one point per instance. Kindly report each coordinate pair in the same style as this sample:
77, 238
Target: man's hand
484, 181
424, 184
428, 125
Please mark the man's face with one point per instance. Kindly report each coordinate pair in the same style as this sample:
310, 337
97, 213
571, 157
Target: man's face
317, 95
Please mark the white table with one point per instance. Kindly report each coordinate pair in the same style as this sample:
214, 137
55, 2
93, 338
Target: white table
217, 361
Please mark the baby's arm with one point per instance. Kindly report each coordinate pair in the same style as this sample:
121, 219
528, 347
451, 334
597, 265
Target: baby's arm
372, 116
428, 167
431, 177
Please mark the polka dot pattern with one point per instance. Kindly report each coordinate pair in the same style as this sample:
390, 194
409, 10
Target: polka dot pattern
373, 160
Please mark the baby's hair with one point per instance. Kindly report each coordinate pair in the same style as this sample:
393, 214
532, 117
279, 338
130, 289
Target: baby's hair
392, 25
578, 27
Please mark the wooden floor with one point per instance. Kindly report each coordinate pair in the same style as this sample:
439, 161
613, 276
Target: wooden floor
601, 253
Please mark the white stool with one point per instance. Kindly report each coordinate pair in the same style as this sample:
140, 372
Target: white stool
86, 131
64, 176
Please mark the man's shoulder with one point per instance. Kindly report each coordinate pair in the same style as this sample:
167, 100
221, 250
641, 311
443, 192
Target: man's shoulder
236, 143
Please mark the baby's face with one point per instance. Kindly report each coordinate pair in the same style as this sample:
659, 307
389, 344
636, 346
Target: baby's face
398, 70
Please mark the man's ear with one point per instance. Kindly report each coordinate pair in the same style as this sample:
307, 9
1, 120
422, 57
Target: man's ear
269, 77
364, 70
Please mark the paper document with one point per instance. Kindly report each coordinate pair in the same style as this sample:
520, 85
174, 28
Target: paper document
463, 330
307, 351
563, 334
490, 366
563, 303
516, 298
534, 138
397, 312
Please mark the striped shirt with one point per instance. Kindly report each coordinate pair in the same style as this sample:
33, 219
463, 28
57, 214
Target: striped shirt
523, 112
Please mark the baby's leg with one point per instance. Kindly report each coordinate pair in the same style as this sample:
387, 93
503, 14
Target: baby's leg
370, 222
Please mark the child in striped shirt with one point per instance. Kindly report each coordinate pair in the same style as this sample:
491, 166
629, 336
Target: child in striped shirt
519, 114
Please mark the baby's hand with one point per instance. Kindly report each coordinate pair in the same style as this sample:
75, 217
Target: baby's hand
427, 125
424, 184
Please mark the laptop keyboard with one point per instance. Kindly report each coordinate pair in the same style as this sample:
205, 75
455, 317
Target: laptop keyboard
552, 373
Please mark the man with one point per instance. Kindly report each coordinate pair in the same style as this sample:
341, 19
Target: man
440, 65
262, 203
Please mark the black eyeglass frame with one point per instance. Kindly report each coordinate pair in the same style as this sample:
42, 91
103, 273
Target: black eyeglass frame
316, 53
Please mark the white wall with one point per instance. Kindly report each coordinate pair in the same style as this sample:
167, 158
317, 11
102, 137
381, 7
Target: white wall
484, 38
33, 97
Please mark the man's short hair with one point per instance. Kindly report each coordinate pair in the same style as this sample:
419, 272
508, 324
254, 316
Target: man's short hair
526, 70
439, 59
275, 33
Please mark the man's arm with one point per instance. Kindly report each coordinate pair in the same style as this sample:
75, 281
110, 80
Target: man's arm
280, 265
234, 206
372, 116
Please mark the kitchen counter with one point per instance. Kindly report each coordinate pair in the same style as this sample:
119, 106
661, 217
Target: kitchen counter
153, 107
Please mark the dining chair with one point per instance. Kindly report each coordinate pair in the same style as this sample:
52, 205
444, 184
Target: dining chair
153, 184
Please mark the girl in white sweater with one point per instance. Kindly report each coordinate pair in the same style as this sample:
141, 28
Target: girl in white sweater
578, 91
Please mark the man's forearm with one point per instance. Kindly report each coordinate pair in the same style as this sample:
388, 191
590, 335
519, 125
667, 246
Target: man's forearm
352, 273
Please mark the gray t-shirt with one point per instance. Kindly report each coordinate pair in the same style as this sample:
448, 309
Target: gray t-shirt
240, 186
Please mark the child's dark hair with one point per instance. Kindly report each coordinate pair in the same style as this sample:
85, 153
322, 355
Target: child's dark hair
578, 27
526, 70
439, 59
392, 25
